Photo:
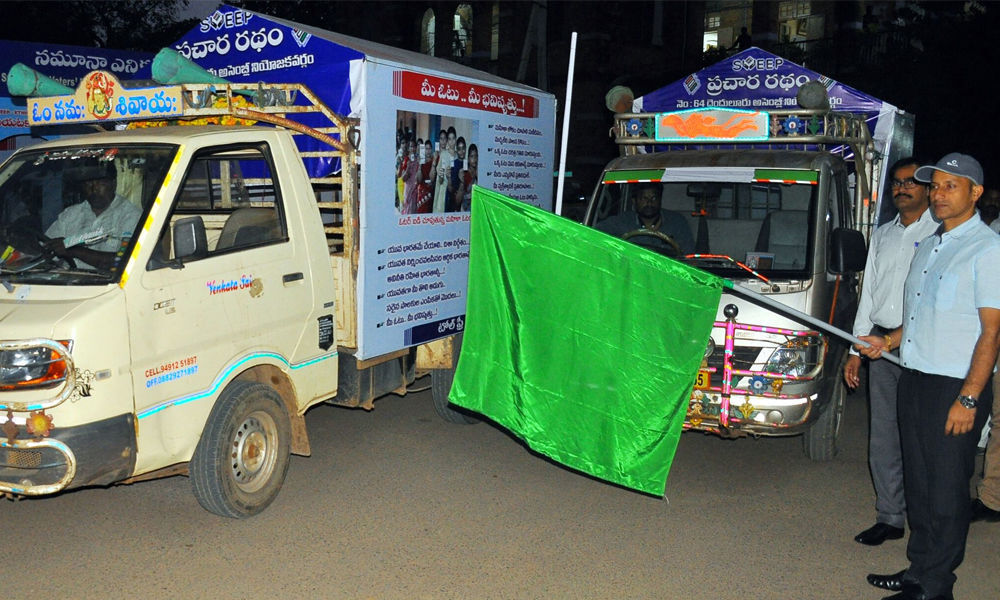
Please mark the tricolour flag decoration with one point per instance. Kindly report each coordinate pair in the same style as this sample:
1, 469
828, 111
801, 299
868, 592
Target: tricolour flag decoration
583, 345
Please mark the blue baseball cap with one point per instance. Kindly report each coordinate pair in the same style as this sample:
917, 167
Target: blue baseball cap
955, 163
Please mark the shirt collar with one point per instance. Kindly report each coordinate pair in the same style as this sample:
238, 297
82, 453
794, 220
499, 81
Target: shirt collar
960, 231
925, 216
928, 215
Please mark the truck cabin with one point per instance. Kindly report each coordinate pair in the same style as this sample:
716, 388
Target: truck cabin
55, 194
728, 211
228, 201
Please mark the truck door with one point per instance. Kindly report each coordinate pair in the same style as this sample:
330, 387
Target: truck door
245, 293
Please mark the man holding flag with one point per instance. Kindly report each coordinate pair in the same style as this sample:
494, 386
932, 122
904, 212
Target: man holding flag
948, 345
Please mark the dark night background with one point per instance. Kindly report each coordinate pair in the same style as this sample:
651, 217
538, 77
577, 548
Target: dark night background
934, 59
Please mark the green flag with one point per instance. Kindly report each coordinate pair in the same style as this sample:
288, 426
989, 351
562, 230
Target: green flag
583, 345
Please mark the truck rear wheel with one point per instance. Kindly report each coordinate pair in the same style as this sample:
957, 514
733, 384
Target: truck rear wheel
440, 386
820, 441
441, 380
243, 455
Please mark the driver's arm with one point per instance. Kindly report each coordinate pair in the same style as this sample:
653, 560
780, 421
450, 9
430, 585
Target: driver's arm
125, 219
101, 260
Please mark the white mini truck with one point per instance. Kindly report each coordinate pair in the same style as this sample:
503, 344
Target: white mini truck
222, 315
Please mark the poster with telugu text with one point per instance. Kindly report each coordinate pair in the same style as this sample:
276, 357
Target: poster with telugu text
428, 138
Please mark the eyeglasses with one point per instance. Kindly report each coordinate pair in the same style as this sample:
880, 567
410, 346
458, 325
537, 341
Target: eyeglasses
907, 184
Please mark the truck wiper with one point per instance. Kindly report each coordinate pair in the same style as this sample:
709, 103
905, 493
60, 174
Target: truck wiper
35, 270
729, 259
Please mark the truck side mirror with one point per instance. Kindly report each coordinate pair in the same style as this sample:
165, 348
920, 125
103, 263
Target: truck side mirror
847, 251
190, 241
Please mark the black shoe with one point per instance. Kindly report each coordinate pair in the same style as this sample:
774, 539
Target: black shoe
913, 591
878, 533
981, 512
918, 595
893, 582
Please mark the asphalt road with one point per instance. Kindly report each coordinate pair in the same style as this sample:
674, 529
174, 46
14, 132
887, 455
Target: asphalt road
398, 504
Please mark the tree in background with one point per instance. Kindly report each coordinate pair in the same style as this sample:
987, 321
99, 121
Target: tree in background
140, 25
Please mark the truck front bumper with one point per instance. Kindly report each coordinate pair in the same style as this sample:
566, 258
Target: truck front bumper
97, 453
751, 414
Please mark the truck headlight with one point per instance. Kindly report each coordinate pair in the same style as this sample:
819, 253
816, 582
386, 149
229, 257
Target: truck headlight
33, 367
799, 357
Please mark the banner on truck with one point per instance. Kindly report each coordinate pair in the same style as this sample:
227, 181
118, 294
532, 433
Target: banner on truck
417, 204
757, 80
415, 180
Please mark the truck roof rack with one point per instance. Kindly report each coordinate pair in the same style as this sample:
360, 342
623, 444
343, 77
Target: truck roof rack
777, 128
780, 129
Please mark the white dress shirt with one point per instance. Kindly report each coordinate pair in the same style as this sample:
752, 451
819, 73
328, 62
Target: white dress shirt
889, 255
106, 232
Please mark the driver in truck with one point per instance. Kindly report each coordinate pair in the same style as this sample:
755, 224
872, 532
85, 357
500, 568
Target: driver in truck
94, 231
650, 222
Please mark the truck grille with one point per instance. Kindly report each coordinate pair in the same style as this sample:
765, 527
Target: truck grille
21, 459
743, 358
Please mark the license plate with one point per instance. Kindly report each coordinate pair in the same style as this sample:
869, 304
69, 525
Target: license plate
703, 380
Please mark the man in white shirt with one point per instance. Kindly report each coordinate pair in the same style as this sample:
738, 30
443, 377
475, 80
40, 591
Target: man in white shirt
880, 310
95, 231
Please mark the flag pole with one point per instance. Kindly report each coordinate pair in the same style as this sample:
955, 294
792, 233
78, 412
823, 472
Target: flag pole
801, 316
565, 126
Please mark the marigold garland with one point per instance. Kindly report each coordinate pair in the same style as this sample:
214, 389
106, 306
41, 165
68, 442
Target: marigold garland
221, 101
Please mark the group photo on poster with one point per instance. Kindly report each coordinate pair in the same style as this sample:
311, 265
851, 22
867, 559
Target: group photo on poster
437, 163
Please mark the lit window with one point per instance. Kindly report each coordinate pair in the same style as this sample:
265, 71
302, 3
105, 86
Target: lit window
791, 10
711, 41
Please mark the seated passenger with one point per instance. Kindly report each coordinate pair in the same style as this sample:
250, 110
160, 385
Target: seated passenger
648, 216
95, 231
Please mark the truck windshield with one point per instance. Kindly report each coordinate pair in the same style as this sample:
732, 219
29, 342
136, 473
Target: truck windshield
70, 216
766, 226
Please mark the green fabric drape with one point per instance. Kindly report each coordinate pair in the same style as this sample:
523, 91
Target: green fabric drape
583, 345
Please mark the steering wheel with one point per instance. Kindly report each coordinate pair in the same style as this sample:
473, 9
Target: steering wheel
33, 245
672, 249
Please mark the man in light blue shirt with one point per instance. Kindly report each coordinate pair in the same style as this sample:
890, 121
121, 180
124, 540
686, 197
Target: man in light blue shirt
948, 347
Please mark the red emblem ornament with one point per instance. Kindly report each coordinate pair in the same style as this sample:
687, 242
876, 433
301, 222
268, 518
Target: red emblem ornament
100, 93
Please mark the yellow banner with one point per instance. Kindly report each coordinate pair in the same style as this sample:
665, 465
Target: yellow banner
101, 97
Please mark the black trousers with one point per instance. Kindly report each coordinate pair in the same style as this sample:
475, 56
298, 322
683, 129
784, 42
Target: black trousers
936, 473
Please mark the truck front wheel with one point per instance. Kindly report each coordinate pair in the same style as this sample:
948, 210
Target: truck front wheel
243, 455
820, 441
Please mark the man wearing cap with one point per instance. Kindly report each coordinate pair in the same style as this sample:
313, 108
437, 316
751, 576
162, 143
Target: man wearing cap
948, 347
93, 231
